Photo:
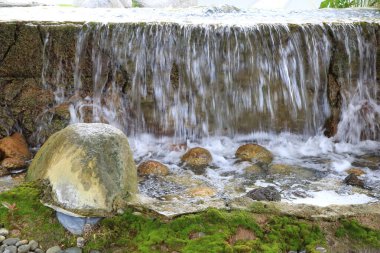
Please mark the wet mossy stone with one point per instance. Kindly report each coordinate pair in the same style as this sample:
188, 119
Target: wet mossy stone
255, 153
89, 169
151, 167
268, 193
197, 157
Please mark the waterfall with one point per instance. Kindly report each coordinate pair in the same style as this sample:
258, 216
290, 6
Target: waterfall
198, 80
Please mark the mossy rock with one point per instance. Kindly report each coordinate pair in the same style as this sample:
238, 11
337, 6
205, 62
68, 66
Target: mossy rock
197, 157
254, 152
89, 167
151, 167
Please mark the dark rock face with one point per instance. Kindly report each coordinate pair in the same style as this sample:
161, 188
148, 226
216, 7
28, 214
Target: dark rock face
38, 63
353, 180
268, 193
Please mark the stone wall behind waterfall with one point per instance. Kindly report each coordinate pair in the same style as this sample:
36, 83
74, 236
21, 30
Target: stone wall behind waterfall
189, 81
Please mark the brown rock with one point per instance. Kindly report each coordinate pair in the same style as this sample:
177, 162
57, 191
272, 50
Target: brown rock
355, 171
353, 180
253, 169
197, 157
202, 191
152, 168
254, 152
15, 151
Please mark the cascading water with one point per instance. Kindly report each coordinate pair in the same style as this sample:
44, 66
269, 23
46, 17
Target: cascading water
221, 83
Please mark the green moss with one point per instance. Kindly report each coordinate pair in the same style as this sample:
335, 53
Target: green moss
358, 233
34, 220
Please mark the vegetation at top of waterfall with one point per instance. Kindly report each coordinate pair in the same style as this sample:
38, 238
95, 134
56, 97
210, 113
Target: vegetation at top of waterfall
348, 3
262, 229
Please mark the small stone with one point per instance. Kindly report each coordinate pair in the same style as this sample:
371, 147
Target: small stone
23, 249
254, 152
54, 249
152, 168
22, 242
80, 242
196, 235
355, 171
268, 193
197, 157
321, 249
33, 245
201, 192
38, 251
11, 241
10, 249
353, 180
73, 250
2, 238
4, 232
94, 251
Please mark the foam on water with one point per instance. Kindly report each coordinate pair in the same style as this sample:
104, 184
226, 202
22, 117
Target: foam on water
319, 168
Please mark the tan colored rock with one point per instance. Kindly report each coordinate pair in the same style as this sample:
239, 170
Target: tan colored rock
254, 152
357, 172
202, 191
15, 152
253, 169
281, 169
89, 167
197, 157
152, 168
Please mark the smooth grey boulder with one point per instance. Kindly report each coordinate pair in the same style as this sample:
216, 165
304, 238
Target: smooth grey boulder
89, 169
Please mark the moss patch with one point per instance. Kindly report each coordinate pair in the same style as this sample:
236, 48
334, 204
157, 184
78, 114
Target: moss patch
264, 229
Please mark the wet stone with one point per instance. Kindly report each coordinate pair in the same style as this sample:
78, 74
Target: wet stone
11, 241
353, 180
268, 193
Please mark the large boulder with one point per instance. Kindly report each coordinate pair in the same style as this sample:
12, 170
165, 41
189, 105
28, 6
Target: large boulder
89, 168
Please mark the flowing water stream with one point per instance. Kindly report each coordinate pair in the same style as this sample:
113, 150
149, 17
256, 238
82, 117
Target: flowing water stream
221, 77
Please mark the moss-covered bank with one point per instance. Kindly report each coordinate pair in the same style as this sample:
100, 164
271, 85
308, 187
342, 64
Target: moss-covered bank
261, 229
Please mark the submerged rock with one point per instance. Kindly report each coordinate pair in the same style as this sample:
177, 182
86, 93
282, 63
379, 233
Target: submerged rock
353, 180
268, 193
14, 152
197, 157
355, 171
89, 168
254, 152
152, 168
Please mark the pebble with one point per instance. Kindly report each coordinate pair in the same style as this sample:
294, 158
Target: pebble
33, 245
38, 251
11, 241
54, 249
94, 251
321, 249
73, 250
4, 232
80, 242
22, 242
2, 238
23, 248
10, 249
